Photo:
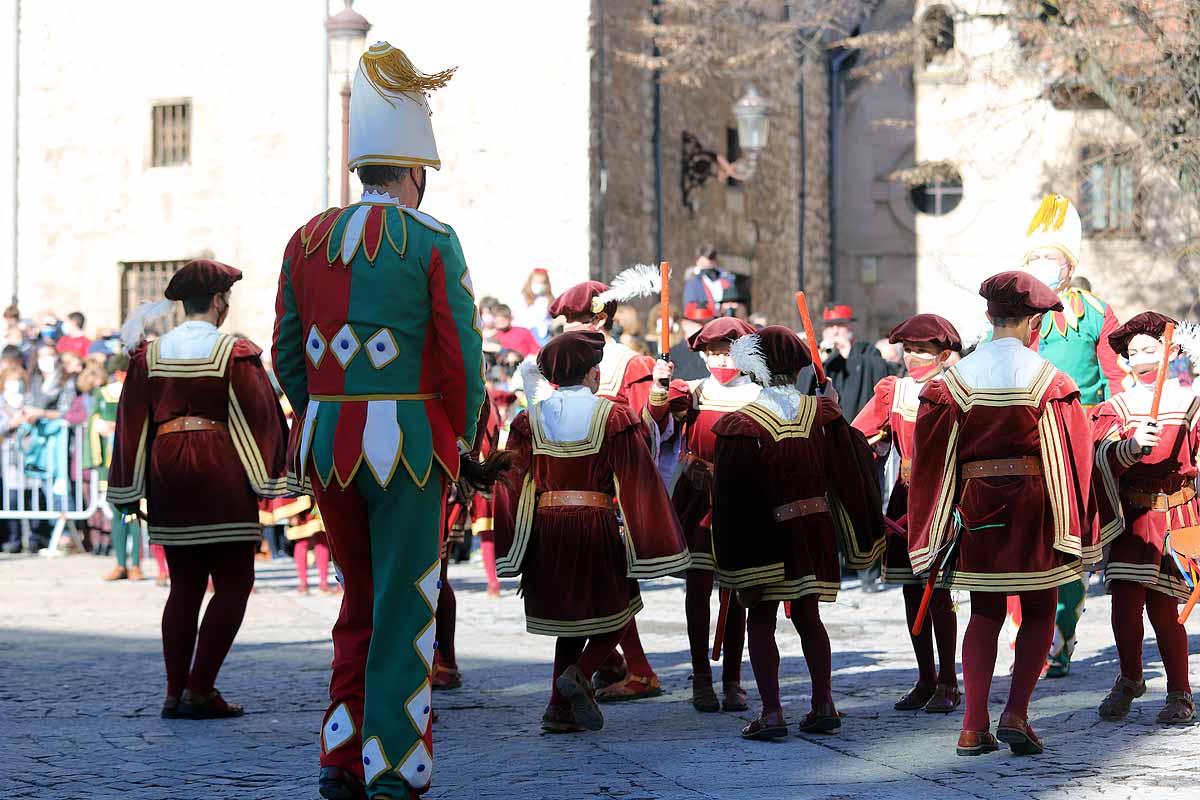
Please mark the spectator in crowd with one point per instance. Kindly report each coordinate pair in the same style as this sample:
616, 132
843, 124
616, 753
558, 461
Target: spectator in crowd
534, 311
51, 389
853, 367
512, 337
15, 383
893, 356
711, 286
689, 364
487, 322
73, 339
758, 320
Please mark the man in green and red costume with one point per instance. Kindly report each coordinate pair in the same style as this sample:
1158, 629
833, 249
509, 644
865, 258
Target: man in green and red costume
377, 348
1075, 340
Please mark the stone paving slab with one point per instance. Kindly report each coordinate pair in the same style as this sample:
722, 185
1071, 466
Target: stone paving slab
81, 684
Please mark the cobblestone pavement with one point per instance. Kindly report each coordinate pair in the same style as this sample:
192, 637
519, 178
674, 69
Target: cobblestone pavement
81, 685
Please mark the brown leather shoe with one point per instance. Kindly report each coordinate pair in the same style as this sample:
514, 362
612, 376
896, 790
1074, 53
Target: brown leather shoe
825, 719
916, 698
135, 574
613, 670
976, 743
560, 720
117, 574
194, 705
945, 699
170, 708
1016, 733
634, 687
575, 687
1120, 698
1179, 710
733, 698
444, 678
704, 698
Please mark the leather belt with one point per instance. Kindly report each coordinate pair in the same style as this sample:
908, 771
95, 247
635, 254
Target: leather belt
906, 471
568, 498
184, 424
1158, 501
699, 463
1002, 467
801, 508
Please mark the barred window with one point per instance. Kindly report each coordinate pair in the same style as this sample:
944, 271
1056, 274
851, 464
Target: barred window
145, 282
1108, 197
171, 130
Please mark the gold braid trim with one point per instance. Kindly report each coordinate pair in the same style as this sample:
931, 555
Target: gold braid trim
389, 70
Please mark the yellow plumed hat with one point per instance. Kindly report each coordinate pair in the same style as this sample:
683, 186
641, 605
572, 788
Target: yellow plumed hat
1056, 224
390, 120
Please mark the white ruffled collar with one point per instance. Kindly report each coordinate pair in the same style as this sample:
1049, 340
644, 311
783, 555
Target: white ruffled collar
782, 401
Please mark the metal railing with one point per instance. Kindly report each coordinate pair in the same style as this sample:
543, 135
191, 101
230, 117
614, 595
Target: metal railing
68, 496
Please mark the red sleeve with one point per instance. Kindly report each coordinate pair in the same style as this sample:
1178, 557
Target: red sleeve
1107, 357
679, 396
256, 422
1075, 444
875, 418
639, 380
507, 494
127, 477
933, 489
850, 475
654, 541
1115, 454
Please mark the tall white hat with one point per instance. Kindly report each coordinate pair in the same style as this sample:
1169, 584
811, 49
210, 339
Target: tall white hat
390, 120
1055, 224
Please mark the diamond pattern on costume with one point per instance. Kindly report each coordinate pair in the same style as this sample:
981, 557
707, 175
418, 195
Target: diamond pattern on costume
315, 347
344, 345
419, 707
424, 644
352, 234
375, 762
417, 766
430, 585
338, 730
382, 349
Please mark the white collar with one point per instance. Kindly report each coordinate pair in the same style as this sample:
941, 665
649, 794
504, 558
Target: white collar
379, 197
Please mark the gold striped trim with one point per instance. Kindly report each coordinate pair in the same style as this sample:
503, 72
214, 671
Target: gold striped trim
967, 397
610, 385
826, 591
1016, 581
1149, 575
855, 558
128, 494
703, 562
943, 509
212, 366
1111, 485
906, 399
1055, 479
394, 161
510, 565
588, 446
248, 453
584, 627
644, 568
482, 525
780, 429
751, 576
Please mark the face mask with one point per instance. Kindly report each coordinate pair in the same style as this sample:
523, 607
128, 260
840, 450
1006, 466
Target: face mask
921, 365
1149, 377
13, 392
420, 186
47, 364
538, 289
724, 375
1048, 273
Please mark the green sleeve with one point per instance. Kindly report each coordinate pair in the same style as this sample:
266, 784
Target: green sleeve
287, 348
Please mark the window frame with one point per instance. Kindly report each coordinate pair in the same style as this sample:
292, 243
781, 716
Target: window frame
1091, 154
177, 152
160, 273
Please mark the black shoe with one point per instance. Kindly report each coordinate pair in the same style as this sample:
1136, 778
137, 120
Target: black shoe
338, 784
12, 547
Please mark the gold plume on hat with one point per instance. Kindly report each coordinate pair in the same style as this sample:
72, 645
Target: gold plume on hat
389, 70
1051, 214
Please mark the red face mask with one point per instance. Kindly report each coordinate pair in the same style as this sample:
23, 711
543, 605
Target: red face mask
1148, 378
724, 374
920, 373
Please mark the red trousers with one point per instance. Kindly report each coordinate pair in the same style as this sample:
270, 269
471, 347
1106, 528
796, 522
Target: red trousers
1128, 600
231, 567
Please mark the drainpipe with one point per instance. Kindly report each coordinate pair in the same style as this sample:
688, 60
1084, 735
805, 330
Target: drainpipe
657, 143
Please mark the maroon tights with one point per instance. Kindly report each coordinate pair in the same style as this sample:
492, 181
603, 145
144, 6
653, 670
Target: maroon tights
696, 604
979, 651
1128, 600
231, 566
942, 625
764, 653
446, 617
587, 653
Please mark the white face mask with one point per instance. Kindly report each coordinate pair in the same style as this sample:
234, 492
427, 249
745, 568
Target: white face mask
1048, 273
47, 364
538, 289
13, 392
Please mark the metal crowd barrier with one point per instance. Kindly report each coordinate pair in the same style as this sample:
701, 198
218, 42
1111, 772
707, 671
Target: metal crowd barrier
69, 498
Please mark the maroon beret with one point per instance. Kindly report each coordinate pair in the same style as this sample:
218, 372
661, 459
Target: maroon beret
721, 329
200, 278
577, 301
1018, 294
1150, 323
783, 350
568, 356
927, 329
